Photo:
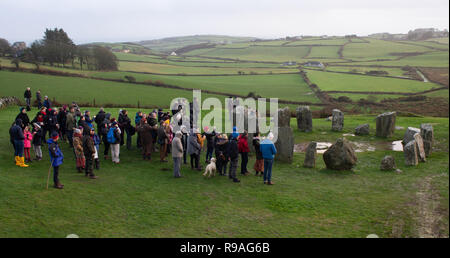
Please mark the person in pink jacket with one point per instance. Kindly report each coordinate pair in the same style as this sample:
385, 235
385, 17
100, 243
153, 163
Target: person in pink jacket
28, 137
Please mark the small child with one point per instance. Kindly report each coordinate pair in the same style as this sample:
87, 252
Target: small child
28, 137
97, 141
37, 141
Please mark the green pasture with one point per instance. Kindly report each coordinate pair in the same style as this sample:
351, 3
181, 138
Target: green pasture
349, 82
139, 198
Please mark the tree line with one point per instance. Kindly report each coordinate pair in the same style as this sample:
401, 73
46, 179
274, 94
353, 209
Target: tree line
56, 48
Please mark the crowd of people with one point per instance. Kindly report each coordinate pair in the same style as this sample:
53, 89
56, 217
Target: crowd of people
85, 133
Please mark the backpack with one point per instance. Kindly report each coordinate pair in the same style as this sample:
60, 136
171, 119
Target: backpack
110, 137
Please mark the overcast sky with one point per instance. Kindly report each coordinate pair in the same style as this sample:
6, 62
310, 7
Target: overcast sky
132, 20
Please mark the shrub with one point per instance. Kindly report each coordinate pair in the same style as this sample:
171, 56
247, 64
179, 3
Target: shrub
130, 78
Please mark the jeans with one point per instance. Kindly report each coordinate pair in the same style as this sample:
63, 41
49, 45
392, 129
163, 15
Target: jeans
176, 166
268, 170
18, 150
70, 137
244, 161
209, 153
194, 160
233, 167
106, 144
55, 174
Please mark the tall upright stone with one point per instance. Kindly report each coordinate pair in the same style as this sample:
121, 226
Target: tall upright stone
409, 135
337, 120
427, 133
304, 119
310, 156
285, 137
386, 124
410, 153
420, 149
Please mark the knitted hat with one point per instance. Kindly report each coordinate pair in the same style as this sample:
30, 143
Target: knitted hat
55, 135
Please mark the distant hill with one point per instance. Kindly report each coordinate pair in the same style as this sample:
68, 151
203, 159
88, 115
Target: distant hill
167, 45
417, 34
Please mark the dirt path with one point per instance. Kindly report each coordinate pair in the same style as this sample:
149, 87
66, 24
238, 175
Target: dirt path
428, 216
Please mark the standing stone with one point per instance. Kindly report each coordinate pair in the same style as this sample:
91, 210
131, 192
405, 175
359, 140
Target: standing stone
426, 131
284, 117
410, 153
285, 145
388, 163
304, 119
337, 121
409, 135
310, 156
285, 137
386, 124
340, 156
420, 149
362, 129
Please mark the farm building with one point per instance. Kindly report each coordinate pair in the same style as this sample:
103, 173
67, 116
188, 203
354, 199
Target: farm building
314, 64
173, 54
289, 63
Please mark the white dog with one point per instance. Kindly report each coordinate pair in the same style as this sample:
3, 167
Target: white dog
211, 168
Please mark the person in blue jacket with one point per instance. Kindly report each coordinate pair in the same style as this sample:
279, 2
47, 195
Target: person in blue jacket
268, 151
56, 158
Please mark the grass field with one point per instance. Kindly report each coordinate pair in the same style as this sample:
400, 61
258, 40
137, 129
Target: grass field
379, 49
350, 82
141, 199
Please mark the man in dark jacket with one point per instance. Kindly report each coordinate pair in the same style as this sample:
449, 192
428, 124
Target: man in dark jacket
27, 96
233, 157
51, 122
124, 125
47, 102
39, 99
209, 143
71, 123
24, 117
56, 158
61, 117
221, 153
89, 152
99, 118
103, 133
259, 163
18, 137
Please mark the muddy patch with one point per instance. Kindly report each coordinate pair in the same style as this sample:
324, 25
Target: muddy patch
357, 146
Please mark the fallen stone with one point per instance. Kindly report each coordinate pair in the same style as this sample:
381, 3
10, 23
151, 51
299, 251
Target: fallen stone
337, 120
310, 156
340, 156
410, 153
427, 133
362, 129
388, 163
304, 119
386, 124
398, 171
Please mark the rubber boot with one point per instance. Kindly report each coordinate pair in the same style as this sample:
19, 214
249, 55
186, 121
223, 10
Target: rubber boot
22, 162
17, 158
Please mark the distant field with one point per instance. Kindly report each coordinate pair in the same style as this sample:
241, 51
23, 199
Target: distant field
398, 72
286, 87
338, 41
68, 89
256, 53
175, 69
348, 82
433, 59
324, 52
379, 49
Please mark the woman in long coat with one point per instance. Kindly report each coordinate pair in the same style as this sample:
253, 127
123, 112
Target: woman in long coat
78, 149
145, 131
